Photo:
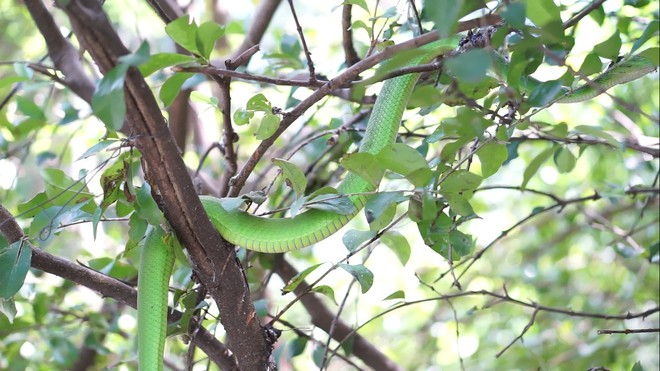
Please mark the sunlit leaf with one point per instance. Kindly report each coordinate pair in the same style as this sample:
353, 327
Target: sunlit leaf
609, 48
398, 244
400, 294
184, 32
299, 278
365, 165
14, 265
146, 207
354, 238
564, 160
162, 60
334, 203
258, 103
535, 164
491, 156
172, 86
407, 161
444, 14
460, 181
207, 34
470, 66
361, 273
293, 176
326, 291
268, 126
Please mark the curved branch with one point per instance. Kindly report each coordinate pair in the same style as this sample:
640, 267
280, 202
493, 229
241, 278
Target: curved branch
107, 287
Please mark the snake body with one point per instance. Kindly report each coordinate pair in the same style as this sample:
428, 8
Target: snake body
285, 234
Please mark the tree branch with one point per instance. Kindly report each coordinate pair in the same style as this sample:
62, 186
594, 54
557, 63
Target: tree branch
107, 287
213, 260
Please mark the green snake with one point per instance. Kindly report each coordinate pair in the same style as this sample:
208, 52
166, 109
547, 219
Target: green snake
270, 235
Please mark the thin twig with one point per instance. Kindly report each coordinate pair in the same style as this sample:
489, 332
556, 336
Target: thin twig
629, 331
310, 63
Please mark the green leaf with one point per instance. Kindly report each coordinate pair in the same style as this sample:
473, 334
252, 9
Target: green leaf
184, 32
268, 126
590, 65
652, 54
400, 294
30, 208
471, 66
650, 30
460, 244
514, 15
544, 93
327, 291
200, 97
361, 273
139, 57
383, 220
354, 238
444, 14
361, 3
114, 268
10, 80
137, 229
293, 176
98, 147
364, 165
559, 130
335, 203
207, 34
259, 103
162, 60
146, 207
317, 355
29, 108
378, 203
598, 133
232, 203
8, 308
261, 307
398, 244
458, 204
108, 99
298, 279
535, 164
637, 367
14, 265
609, 48
172, 86
407, 161
297, 346
359, 24
242, 117
564, 160
492, 156
544, 13
461, 181
63, 190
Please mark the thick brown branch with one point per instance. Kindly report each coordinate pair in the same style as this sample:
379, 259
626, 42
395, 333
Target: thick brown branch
213, 260
106, 286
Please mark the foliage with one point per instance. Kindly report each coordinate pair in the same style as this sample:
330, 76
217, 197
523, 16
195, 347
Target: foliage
509, 232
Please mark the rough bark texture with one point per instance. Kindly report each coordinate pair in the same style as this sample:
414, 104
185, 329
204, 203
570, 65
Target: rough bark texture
213, 259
